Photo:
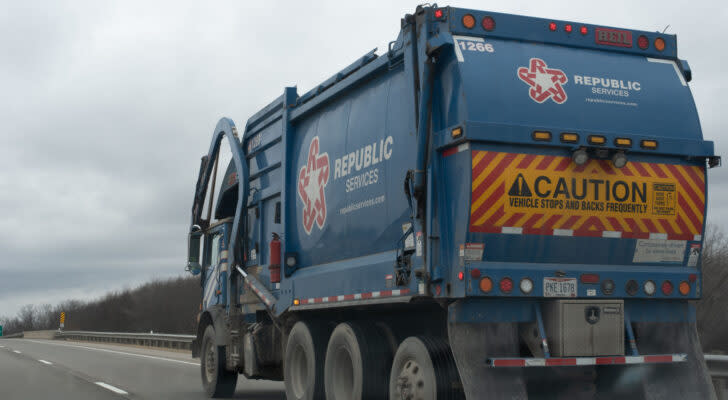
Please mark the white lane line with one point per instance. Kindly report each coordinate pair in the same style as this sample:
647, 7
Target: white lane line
46, 362
2, 347
121, 352
17, 352
112, 388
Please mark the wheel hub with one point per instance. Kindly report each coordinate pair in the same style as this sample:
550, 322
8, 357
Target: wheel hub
210, 362
411, 382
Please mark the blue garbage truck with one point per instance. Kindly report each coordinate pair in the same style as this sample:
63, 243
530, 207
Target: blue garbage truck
496, 206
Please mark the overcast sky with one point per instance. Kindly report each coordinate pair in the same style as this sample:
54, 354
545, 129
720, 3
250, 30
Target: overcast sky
106, 108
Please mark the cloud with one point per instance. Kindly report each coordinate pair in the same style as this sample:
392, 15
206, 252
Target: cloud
107, 108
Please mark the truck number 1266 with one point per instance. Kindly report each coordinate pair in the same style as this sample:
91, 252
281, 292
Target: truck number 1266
469, 45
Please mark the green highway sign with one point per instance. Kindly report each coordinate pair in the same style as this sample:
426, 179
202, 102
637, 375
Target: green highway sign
1, 330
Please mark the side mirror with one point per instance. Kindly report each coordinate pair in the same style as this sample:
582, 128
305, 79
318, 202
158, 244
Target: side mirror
194, 239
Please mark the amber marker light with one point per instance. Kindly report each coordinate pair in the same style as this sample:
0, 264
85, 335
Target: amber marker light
456, 132
569, 137
468, 21
542, 136
597, 140
486, 284
684, 288
660, 44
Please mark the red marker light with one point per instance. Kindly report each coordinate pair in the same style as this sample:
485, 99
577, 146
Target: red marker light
461, 275
552, 26
568, 28
488, 23
667, 288
643, 43
475, 273
438, 13
506, 285
584, 30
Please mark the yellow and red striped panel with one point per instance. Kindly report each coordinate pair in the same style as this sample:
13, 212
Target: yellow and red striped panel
551, 195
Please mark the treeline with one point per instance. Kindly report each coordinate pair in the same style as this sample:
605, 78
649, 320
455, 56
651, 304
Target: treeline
711, 309
164, 306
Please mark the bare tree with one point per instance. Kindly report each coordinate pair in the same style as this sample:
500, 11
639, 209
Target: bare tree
712, 318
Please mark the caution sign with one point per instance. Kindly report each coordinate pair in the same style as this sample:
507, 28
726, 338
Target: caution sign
537, 194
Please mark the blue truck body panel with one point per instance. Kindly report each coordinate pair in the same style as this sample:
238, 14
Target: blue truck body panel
331, 171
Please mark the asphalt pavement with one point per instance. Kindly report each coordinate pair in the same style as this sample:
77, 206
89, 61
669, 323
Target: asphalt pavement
45, 369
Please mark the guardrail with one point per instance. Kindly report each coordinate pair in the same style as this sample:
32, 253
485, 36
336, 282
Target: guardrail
139, 339
14, 335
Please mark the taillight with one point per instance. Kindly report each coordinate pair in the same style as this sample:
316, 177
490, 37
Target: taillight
488, 23
461, 275
632, 287
643, 43
486, 284
684, 288
584, 30
589, 278
439, 13
667, 288
552, 26
568, 28
506, 285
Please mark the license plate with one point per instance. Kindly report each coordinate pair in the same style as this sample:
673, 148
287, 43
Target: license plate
559, 287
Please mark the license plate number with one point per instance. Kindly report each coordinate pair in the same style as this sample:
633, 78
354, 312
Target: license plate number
559, 287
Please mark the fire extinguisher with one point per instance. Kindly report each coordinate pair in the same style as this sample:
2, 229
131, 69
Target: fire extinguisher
274, 267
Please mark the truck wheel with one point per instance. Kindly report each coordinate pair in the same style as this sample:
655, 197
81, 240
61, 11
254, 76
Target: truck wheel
358, 359
424, 369
303, 367
217, 381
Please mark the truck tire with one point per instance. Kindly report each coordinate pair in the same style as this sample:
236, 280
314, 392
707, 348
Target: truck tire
424, 369
358, 359
303, 366
216, 380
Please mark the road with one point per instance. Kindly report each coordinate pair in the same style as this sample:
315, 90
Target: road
44, 369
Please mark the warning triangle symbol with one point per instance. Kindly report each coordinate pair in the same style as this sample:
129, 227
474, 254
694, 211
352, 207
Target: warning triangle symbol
520, 187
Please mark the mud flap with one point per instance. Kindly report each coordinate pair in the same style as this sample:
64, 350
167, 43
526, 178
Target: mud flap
472, 344
689, 380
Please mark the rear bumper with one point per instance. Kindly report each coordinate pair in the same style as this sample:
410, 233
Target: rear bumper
586, 361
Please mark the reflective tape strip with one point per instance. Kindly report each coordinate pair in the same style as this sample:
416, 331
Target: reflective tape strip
581, 361
355, 296
611, 234
563, 232
658, 236
510, 230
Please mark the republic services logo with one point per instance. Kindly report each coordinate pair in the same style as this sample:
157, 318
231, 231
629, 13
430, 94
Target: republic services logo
312, 179
544, 82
